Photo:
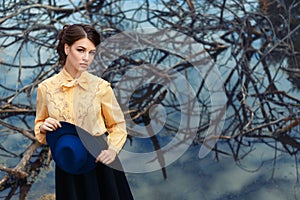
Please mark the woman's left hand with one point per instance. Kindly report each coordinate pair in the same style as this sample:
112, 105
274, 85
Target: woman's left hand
106, 156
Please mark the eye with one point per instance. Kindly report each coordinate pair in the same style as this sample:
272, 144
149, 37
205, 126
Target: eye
93, 53
80, 50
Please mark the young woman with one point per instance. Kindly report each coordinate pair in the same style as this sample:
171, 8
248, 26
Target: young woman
77, 97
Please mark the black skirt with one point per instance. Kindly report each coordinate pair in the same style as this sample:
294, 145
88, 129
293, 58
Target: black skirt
102, 183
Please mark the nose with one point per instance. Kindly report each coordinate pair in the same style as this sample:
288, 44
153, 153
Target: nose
86, 56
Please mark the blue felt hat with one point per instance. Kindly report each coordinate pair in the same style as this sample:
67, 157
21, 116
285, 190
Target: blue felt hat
73, 149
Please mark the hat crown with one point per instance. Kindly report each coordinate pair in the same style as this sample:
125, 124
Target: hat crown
71, 152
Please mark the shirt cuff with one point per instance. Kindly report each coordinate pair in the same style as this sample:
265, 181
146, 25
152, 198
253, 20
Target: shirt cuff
112, 147
40, 136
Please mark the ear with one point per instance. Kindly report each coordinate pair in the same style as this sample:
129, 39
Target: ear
67, 49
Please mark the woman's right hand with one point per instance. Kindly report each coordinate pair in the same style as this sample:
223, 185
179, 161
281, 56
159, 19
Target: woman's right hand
50, 124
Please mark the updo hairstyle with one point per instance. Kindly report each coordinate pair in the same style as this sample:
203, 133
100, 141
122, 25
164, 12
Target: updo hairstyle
71, 33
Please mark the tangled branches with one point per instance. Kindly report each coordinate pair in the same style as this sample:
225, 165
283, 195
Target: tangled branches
254, 44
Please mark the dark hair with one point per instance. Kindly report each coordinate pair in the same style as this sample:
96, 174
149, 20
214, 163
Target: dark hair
70, 34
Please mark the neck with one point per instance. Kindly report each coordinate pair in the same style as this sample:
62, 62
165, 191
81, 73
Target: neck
74, 73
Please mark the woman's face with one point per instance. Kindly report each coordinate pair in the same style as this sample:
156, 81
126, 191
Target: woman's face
79, 56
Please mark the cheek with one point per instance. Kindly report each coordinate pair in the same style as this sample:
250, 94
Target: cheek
78, 56
74, 53
91, 59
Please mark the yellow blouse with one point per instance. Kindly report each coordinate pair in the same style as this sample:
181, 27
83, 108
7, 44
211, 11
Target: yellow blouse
88, 102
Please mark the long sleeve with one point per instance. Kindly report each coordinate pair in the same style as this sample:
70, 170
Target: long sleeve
89, 103
114, 120
41, 114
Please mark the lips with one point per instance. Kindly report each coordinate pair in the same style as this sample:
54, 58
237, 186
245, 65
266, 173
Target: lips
83, 64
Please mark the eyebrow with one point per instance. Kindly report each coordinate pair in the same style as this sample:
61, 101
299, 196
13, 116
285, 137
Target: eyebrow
85, 48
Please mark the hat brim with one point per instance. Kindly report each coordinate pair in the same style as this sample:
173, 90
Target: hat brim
93, 144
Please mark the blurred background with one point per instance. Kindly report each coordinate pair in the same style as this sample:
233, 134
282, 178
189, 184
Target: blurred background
255, 47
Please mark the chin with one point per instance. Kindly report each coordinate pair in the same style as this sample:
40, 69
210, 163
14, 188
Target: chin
82, 69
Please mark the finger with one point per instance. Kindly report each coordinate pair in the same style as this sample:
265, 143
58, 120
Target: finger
50, 120
106, 157
103, 157
99, 157
52, 123
58, 123
55, 124
49, 127
102, 160
46, 128
106, 161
